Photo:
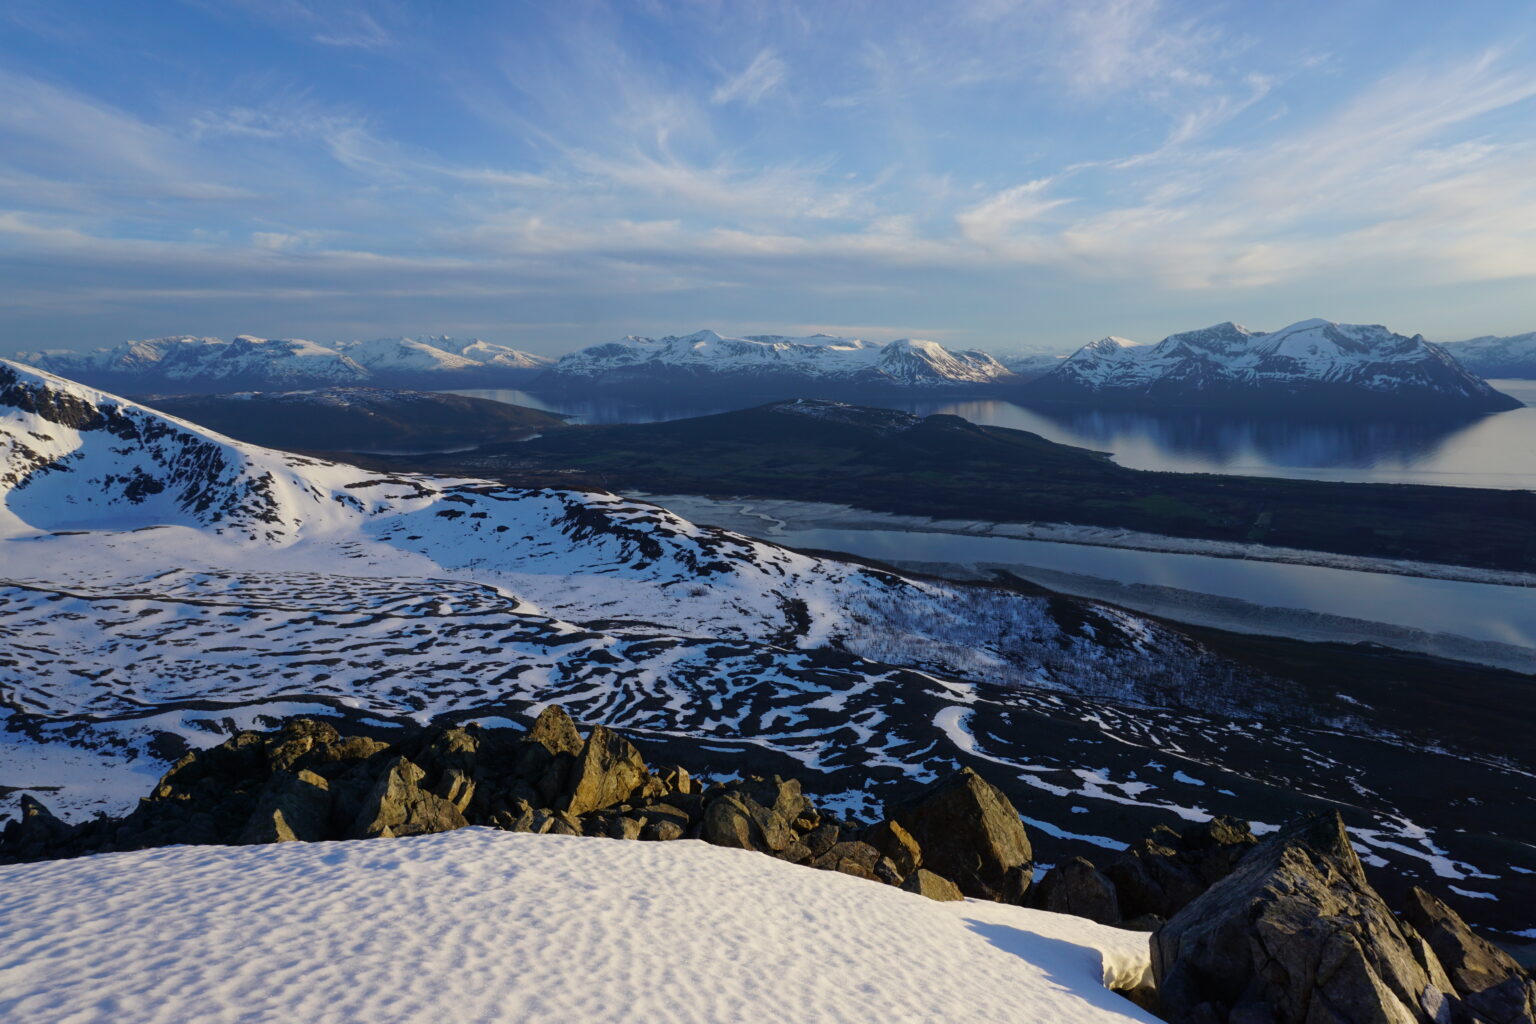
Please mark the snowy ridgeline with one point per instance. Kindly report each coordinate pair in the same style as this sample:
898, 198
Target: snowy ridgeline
1310, 360
181, 362
479, 925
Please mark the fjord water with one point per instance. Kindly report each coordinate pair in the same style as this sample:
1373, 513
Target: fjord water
1489, 451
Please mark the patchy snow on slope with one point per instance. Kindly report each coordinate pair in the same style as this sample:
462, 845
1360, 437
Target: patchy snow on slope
481, 925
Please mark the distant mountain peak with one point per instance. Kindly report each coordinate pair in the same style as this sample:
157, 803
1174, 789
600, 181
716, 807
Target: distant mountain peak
185, 363
1318, 363
707, 358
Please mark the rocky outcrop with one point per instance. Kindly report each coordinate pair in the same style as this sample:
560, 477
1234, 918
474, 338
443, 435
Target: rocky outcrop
1491, 986
398, 806
1294, 935
970, 833
307, 782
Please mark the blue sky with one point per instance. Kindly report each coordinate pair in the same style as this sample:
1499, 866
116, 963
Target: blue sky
994, 173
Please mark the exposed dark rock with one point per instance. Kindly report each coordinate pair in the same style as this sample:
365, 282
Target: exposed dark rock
935, 887
1160, 874
1295, 935
1075, 886
38, 831
822, 838
398, 806
970, 833
1491, 985
292, 806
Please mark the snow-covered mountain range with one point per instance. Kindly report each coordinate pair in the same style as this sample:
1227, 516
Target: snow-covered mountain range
161, 585
1510, 356
1313, 365
774, 362
190, 364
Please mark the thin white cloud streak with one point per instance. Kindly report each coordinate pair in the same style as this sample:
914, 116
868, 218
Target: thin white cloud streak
755, 81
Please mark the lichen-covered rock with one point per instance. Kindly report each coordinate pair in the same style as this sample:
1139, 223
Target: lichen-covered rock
293, 806
935, 887
1076, 887
609, 771
970, 833
1491, 985
396, 805
295, 739
1294, 935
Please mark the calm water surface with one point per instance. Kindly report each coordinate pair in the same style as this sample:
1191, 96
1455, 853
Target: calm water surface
1490, 451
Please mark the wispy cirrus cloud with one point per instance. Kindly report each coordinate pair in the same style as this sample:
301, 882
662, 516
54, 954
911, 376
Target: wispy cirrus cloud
819, 161
752, 83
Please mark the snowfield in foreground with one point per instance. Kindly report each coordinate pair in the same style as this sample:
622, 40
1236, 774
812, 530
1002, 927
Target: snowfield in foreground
480, 925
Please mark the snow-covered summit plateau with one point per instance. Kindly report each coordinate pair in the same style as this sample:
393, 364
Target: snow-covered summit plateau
189, 364
1314, 365
512, 926
706, 358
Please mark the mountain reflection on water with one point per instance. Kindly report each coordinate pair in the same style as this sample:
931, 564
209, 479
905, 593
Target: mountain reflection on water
1487, 451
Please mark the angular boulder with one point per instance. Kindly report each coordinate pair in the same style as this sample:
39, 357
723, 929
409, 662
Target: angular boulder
852, 858
897, 843
1294, 935
609, 771
935, 887
1492, 987
969, 832
396, 805
1076, 887
548, 752
733, 819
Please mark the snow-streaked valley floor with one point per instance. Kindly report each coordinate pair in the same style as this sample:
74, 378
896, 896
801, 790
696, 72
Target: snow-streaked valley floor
481, 925
162, 586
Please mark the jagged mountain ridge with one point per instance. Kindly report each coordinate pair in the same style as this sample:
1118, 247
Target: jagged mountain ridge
1313, 365
184, 364
706, 358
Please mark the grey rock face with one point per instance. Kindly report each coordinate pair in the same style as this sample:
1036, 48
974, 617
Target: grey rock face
1075, 886
1294, 935
969, 832
1490, 984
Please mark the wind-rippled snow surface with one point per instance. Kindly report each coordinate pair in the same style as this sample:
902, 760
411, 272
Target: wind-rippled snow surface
479, 925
